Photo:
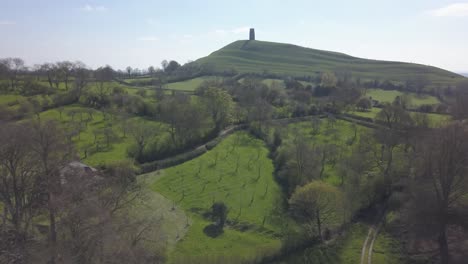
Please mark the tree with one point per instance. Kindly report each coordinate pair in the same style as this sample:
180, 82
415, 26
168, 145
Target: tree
219, 213
19, 190
364, 104
328, 79
151, 70
13, 67
184, 118
440, 183
120, 176
459, 110
299, 163
220, 105
171, 67
95, 221
129, 71
81, 75
103, 76
316, 204
142, 134
65, 70
49, 69
164, 64
393, 116
53, 153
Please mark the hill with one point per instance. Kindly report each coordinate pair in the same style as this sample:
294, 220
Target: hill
286, 59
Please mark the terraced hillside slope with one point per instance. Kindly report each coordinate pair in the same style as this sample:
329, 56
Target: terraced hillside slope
286, 59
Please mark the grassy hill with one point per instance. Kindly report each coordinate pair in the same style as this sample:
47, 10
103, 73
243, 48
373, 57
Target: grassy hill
286, 59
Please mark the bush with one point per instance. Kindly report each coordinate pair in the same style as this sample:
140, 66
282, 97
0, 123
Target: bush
169, 162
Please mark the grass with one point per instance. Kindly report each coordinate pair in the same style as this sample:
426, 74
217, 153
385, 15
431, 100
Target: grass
386, 250
248, 190
117, 149
189, 85
347, 249
388, 96
371, 113
173, 220
10, 99
230, 247
436, 120
286, 59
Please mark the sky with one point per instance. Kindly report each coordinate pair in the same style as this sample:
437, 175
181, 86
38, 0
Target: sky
141, 33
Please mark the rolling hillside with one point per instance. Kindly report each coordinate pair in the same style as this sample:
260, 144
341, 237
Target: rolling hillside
286, 59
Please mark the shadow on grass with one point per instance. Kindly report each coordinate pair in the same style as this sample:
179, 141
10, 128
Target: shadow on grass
213, 230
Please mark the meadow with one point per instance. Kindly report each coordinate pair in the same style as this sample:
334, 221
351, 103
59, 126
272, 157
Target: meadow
94, 128
239, 173
388, 96
189, 85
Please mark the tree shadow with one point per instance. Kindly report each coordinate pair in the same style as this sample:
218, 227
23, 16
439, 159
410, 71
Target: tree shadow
213, 230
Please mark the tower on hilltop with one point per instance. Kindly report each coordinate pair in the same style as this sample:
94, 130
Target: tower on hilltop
252, 34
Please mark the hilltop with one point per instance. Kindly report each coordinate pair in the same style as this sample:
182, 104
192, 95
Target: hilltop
246, 56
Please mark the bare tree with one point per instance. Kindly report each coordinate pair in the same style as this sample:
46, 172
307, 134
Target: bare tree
81, 75
151, 70
19, 190
13, 67
129, 71
440, 183
49, 145
65, 69
459, 109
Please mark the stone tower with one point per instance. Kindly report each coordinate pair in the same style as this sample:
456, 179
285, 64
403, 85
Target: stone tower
252, 34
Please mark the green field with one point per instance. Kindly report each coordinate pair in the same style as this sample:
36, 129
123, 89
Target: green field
116, 150
238, 173
435, 120
388, 96
10, 99
371, 113
189, 85
286, 59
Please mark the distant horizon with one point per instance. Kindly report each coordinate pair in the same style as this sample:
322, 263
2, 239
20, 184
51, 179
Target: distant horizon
143, 33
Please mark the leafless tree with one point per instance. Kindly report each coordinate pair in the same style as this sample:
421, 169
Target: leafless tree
440, 183
13, 67
81, 75
129, 71
65, 69
52, 153
459, 109
19, 190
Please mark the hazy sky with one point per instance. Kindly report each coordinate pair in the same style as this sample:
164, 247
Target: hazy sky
141, 33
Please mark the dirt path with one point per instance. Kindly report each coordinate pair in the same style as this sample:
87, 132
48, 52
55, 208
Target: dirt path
368, 246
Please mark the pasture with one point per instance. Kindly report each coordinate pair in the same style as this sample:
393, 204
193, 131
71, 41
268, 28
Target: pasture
388, 96
99, 136
189, 85
239, 173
